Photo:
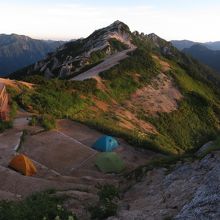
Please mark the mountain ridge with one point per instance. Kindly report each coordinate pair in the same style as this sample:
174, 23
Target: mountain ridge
72, 57
183, 44
17, 51
204, 55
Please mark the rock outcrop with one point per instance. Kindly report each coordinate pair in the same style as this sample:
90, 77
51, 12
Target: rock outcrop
188, 190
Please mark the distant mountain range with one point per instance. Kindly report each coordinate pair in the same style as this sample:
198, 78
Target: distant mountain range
207, 53
18, 51
183, 44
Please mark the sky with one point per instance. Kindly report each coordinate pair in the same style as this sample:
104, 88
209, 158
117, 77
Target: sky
196, 20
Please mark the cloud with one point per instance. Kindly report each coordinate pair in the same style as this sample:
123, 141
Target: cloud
68, 21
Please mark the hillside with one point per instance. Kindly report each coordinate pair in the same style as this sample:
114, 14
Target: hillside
213, 45
182, 44
18, 51
146, 98
205, 55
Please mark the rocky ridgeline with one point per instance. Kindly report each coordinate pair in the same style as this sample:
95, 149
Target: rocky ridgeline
188, 190
79, 56
73, 56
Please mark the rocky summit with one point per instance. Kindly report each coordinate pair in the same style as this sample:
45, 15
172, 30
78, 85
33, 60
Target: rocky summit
76, 56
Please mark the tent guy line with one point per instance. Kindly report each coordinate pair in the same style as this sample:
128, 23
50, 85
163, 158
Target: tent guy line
83, 162
76, 141
40, 164
16, 147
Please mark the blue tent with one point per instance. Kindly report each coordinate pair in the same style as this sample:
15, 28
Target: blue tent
105, 144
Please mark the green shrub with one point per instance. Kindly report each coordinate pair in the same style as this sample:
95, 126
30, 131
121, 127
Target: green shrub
193, 124
117, 45
13, 109
121, 81
108, 202
97, 56
48, 122
45, 100
36, 207
5, 125
34, 121
213, 147
9, 124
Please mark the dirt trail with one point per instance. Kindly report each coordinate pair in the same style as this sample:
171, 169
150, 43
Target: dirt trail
160, 96
105, 65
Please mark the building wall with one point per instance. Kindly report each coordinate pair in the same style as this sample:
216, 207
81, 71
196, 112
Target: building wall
3, 104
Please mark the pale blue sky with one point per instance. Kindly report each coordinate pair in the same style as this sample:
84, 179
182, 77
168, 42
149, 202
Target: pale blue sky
196, 20
158, 3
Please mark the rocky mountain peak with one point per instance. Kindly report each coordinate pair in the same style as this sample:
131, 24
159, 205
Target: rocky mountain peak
160, 44
117, 30
120, 26
117, 22
73, 56
20, 37
154, 37
6, 39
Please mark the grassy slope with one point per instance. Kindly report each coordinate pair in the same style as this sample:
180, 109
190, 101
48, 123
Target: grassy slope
195, 121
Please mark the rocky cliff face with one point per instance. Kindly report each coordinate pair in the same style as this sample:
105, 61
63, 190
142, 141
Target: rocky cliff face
74, 57
187, 190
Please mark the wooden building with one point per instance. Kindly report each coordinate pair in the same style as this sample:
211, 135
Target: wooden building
3, 103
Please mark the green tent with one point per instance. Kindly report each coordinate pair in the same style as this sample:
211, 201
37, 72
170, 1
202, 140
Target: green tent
109, 162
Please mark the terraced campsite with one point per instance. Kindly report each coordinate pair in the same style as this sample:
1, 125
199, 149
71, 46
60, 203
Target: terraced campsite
64, 158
